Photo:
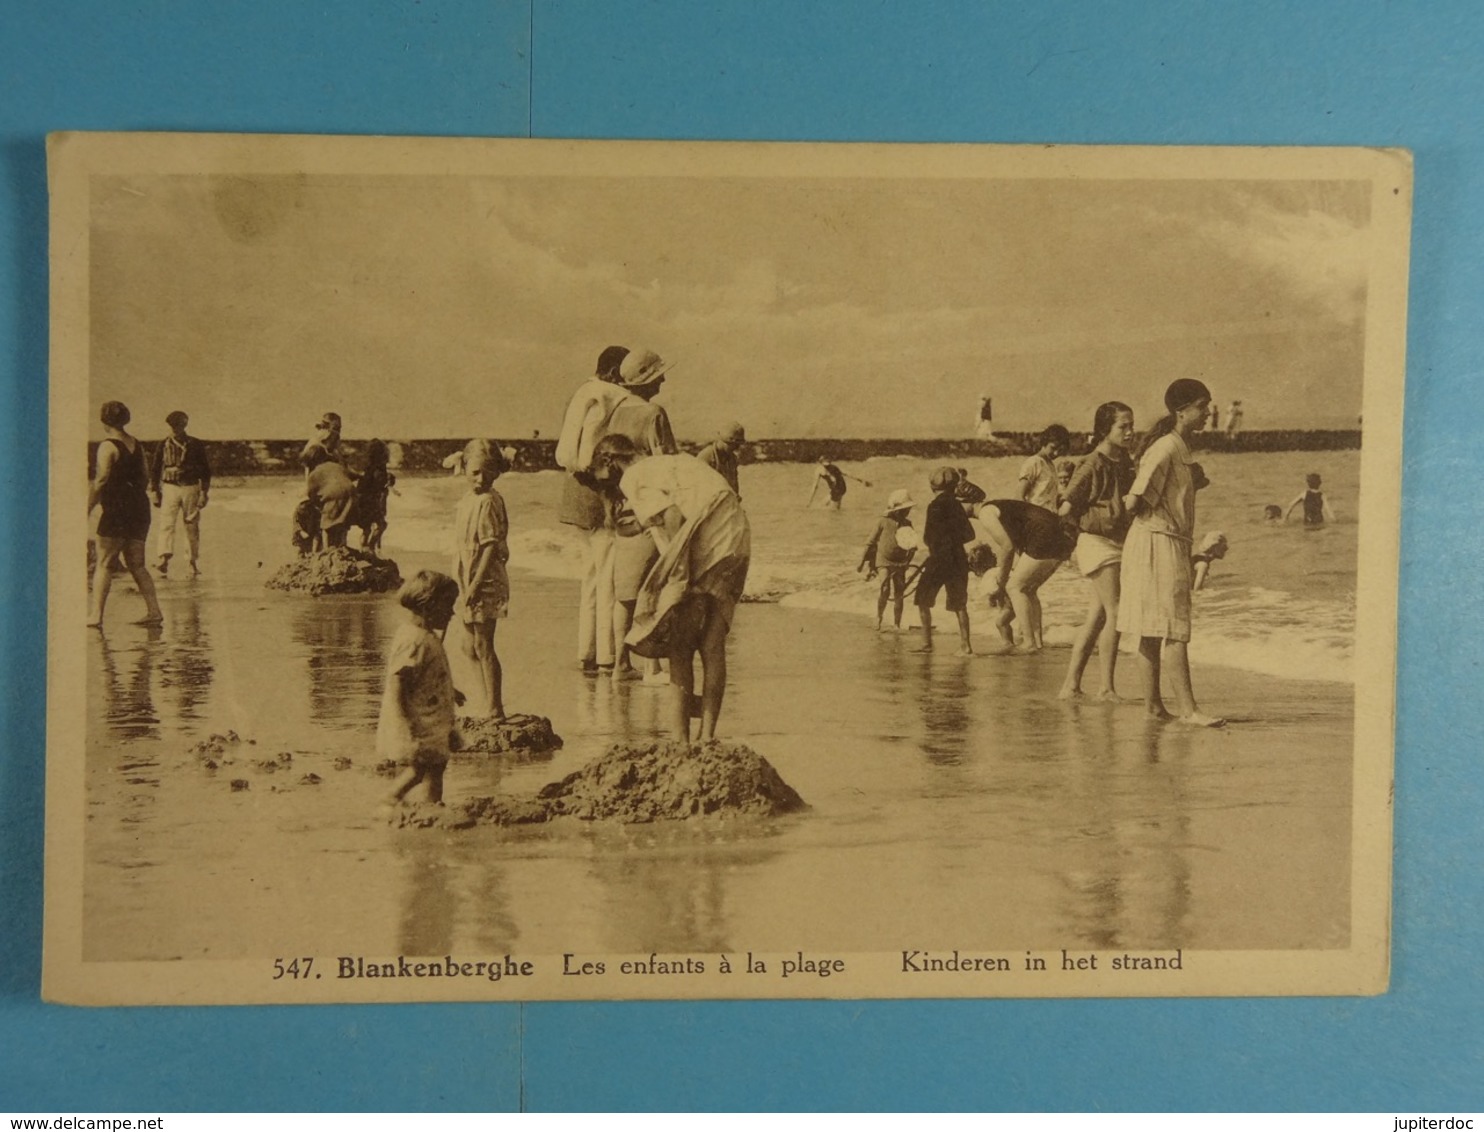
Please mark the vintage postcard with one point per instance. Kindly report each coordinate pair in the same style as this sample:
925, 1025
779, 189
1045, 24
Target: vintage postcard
507, 569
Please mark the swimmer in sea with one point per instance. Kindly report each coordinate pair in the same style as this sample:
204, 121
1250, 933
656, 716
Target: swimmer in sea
1316, 508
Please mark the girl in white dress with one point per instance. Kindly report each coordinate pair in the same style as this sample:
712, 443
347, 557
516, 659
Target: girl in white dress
1154, 604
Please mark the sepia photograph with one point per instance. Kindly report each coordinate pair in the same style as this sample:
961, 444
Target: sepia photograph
508, 569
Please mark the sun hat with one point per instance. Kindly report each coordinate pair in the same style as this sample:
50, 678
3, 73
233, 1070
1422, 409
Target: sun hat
641, 367
899, 500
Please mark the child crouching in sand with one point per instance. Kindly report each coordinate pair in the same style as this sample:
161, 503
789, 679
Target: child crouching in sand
480, 530
416, 723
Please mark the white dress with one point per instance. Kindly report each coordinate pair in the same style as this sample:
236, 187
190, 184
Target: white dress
1157, 575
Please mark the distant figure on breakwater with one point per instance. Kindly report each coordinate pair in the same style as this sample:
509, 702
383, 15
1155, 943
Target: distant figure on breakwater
1234, 419
1316, 508
984, 419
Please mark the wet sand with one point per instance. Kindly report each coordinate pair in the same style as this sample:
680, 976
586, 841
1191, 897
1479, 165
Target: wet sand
954, 803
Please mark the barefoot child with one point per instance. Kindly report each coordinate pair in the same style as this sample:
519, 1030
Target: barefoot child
945, 531
416, 723
885, 552
1154, 605
481, 528
1094, 500
372, 489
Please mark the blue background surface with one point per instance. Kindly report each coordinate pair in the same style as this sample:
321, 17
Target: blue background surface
1157, 71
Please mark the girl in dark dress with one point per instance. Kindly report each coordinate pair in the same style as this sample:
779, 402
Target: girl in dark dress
121, 488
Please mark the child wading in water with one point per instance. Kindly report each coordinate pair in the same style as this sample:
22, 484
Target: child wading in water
481, 529
945, 530
1316, 510
886, 552
1094, 500
1154, 605
416, 723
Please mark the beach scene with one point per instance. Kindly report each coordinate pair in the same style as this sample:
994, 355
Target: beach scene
1109, 440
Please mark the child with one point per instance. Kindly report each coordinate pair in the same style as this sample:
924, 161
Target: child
945, 530
1094, 500
1038, 482
1065, 470
1213, 548
1154, 604
307, 537
416, 723
480, 531
968, 493
1272, 513
1316, 510
885, 552
832, 479
372, 490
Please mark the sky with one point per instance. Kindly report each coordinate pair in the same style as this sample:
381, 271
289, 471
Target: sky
444, 306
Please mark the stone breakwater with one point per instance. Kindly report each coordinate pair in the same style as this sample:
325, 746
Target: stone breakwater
267, 457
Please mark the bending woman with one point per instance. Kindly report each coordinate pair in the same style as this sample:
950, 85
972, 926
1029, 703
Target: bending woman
121, 487
1155, 603
1029, 543
687, 599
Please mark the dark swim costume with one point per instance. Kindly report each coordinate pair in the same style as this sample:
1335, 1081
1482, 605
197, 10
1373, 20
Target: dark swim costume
1035, 531
125, 496
834, 479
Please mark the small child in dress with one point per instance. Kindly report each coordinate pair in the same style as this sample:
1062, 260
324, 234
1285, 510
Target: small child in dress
417, 724
307, 536
372, 489
481, 529
1316, 509
1213, 548
890, 550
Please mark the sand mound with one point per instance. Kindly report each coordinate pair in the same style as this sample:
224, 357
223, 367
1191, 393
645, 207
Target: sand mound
337, 570
636, 783
513, 733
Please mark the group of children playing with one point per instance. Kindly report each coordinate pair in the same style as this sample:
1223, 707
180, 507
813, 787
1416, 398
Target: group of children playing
1123, 515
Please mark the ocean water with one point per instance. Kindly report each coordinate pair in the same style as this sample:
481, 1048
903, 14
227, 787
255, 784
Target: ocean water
1282, 603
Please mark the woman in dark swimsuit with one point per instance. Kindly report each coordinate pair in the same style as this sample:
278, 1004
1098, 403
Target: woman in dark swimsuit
1029, 542
121, 487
